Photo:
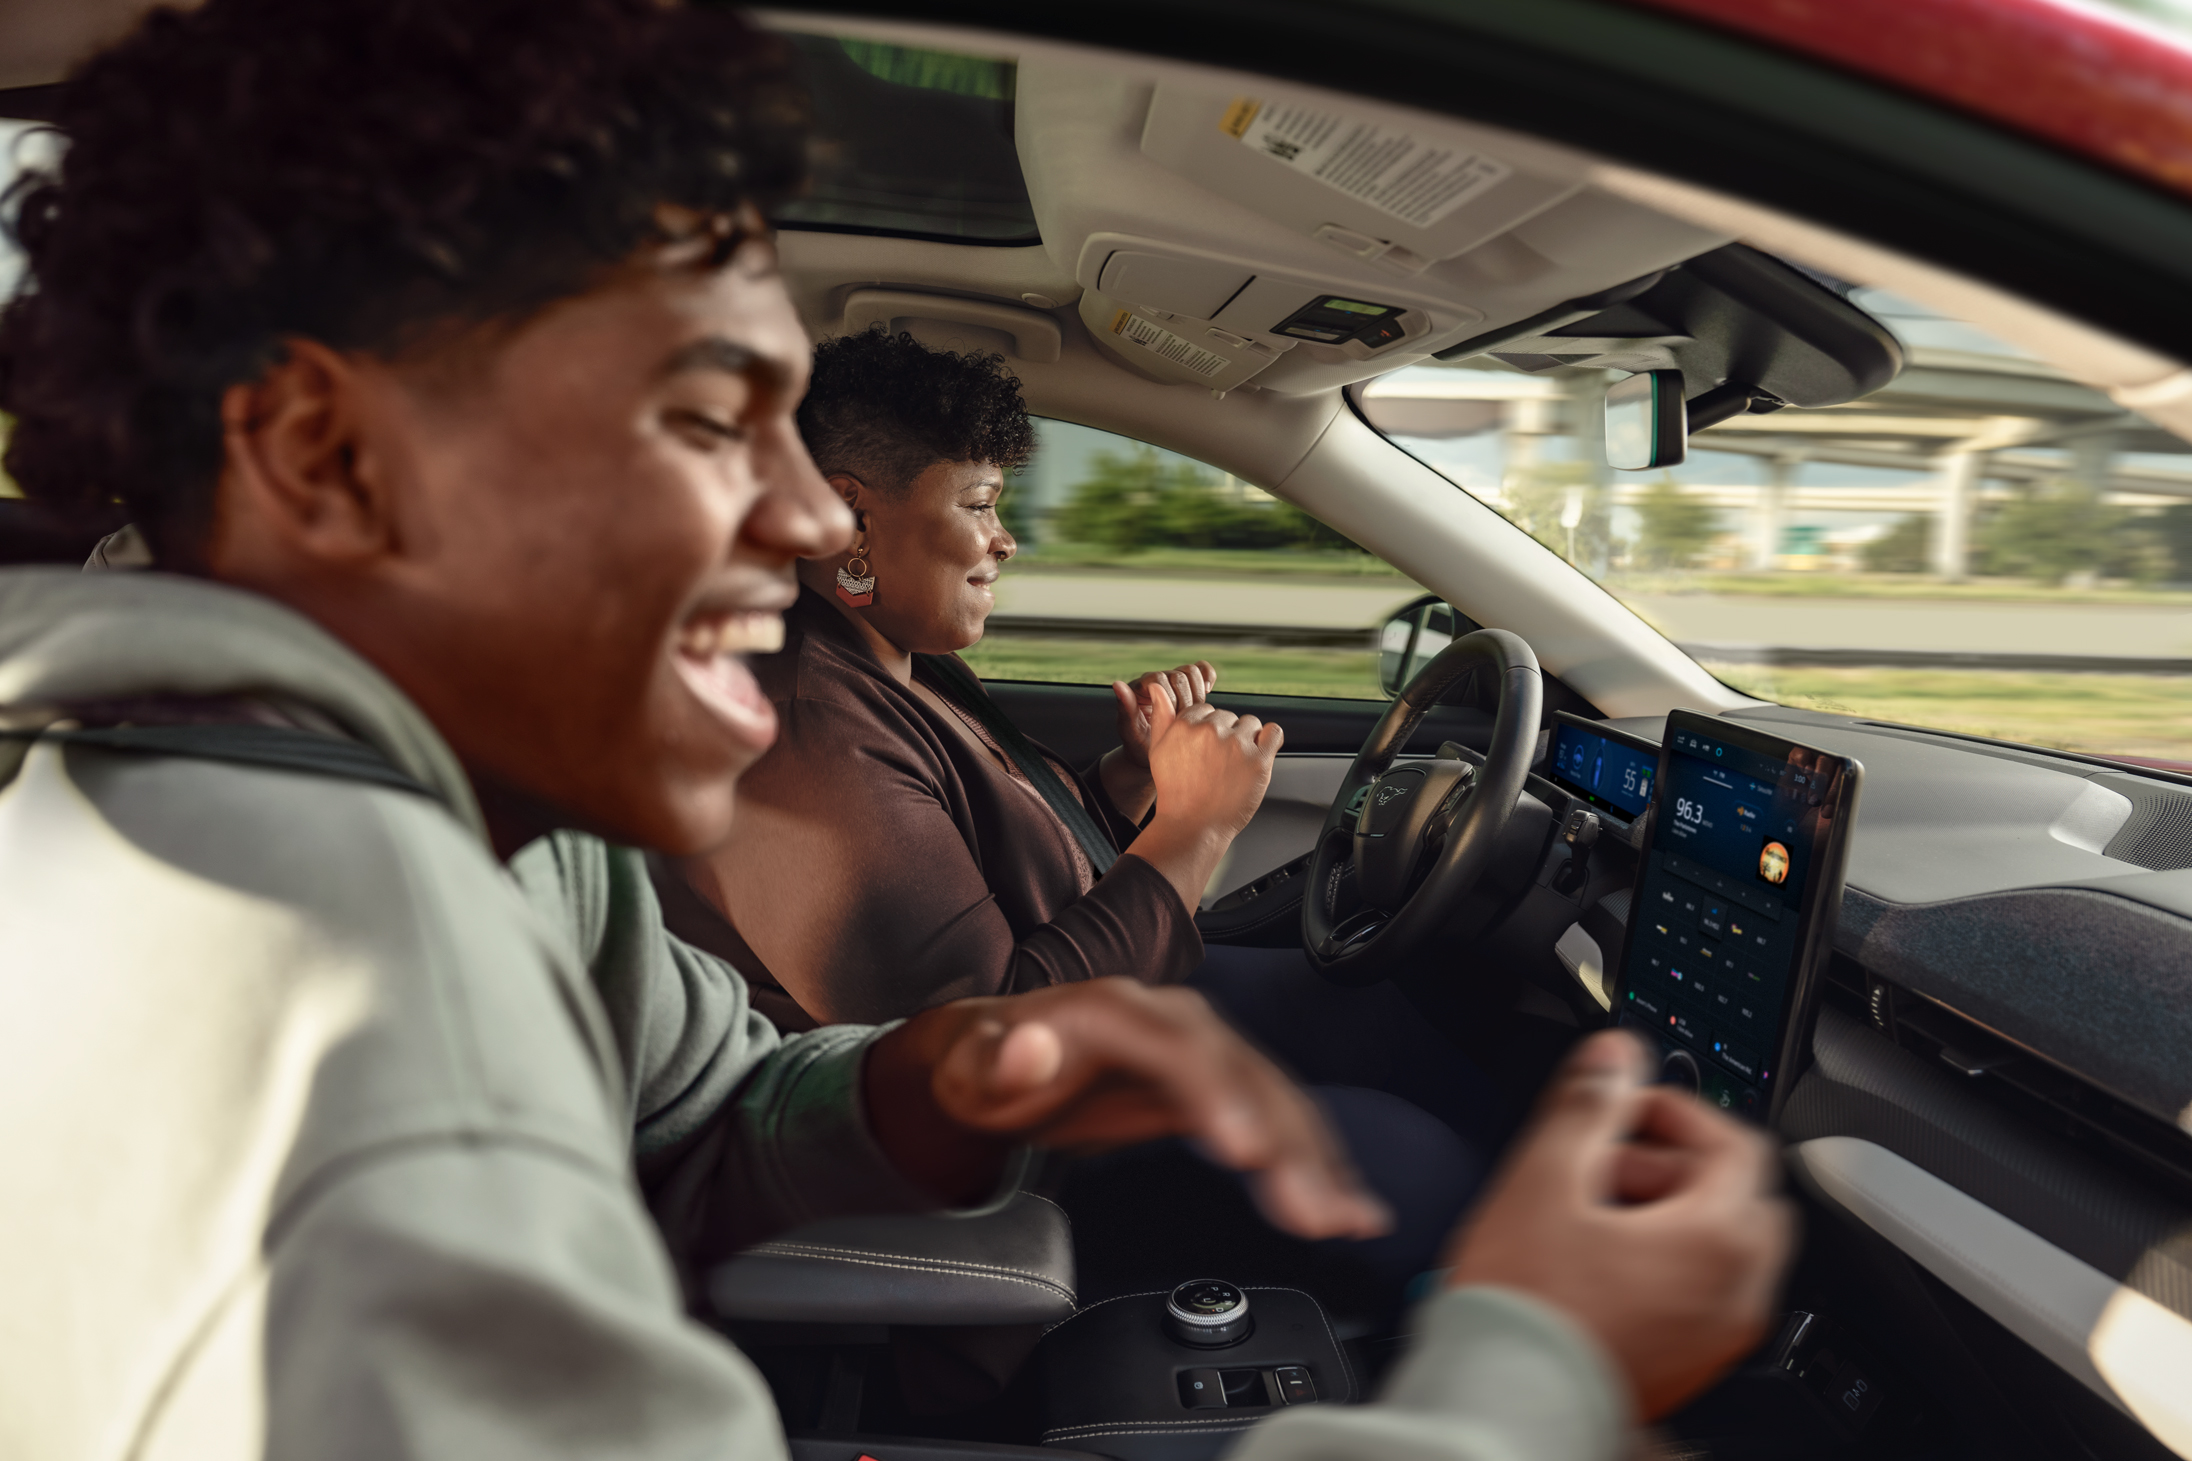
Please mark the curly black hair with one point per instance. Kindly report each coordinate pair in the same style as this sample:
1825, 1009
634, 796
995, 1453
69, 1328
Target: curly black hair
363, 173
885, 408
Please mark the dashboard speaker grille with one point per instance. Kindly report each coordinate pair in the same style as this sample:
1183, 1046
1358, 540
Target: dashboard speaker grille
2158, 833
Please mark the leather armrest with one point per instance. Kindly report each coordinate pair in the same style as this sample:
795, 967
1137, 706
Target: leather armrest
1011, 1266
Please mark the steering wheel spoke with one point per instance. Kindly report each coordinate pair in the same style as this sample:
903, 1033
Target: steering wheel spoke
1419, 834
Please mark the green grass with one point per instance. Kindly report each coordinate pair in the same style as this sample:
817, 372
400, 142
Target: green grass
2101, 715
1246, 669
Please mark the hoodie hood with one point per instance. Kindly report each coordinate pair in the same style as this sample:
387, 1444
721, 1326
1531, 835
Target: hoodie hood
68, 637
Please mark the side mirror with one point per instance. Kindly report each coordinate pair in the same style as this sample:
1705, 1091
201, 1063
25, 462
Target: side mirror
1413, 637
1647, 424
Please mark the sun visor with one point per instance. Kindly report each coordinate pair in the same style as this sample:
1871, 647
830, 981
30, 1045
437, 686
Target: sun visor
1399, 196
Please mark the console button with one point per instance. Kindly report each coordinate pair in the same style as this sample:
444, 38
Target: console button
1718, 1088
1295, 1386
1679, 1070
1737, 1059
1202, 1390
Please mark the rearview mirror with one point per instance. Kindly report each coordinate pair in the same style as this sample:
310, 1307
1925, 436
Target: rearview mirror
1646, 422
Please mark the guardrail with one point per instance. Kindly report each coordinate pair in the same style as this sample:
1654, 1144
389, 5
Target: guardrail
1300, 636
1042, 626
1935, 659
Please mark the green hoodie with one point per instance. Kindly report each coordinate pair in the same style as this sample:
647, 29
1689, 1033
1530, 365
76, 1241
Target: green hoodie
321, 1126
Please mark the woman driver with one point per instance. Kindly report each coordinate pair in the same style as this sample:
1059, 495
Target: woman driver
903, 844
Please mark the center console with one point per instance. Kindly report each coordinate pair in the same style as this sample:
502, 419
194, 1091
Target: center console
1178, 1376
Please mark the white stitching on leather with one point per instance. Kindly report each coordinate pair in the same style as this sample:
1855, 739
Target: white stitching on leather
1144, 1428
790, 1245
949, 1266
1155, 1425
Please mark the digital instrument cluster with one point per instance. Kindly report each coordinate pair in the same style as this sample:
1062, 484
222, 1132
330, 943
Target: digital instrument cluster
1601, 769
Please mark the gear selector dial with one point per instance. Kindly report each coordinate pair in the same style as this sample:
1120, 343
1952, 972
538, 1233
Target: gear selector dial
1208, 1313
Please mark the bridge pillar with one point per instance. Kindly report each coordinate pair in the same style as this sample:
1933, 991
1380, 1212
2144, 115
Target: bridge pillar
1773, 511
2090, 458
1960, 474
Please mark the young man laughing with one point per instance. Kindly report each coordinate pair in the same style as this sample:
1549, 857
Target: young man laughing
436, 346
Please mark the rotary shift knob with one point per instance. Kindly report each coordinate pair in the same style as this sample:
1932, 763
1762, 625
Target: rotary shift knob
1208, 1313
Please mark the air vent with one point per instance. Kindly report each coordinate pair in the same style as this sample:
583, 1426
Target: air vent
2158, 833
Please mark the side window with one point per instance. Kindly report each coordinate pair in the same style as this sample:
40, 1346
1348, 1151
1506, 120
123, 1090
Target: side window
1133, 558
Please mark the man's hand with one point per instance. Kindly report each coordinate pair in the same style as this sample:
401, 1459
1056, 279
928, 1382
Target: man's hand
1645, 1215
1108, 1063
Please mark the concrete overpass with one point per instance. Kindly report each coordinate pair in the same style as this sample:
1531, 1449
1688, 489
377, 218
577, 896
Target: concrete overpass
1967, 423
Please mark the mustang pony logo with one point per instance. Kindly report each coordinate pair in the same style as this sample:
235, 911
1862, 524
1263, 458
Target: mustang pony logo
1390, 790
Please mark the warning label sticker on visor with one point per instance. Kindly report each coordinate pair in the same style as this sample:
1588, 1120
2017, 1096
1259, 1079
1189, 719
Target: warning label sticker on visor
1400, 175
1155, 337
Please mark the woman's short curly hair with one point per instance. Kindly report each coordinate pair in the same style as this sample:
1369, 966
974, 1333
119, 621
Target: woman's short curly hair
885, 408
357, 172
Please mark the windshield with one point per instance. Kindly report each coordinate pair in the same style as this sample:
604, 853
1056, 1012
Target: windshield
1985, 545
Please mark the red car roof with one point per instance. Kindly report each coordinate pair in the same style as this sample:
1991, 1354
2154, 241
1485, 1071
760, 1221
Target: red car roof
2086, 80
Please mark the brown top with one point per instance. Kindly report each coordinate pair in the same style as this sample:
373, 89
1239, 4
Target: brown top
882, 860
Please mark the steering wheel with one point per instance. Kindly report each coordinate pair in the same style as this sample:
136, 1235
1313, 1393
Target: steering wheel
1419, 837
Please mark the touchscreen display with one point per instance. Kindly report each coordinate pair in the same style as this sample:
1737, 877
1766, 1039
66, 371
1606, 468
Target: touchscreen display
1603, 771
1718, 919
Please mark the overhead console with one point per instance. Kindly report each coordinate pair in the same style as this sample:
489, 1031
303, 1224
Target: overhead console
1223, 235
1746, 331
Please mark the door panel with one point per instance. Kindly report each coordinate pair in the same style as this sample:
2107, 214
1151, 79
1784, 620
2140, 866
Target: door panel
1286, 825
1077, 721
1322, 737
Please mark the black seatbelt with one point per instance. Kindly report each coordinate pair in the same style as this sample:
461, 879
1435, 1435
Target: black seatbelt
958, 682
243, 743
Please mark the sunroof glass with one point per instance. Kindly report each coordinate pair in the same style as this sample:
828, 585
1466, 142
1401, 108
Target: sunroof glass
911, 141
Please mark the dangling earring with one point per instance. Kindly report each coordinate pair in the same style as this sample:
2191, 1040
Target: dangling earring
856, 589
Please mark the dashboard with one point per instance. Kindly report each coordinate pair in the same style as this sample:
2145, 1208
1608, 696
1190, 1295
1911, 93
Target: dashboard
2045, 898
2000, 1081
